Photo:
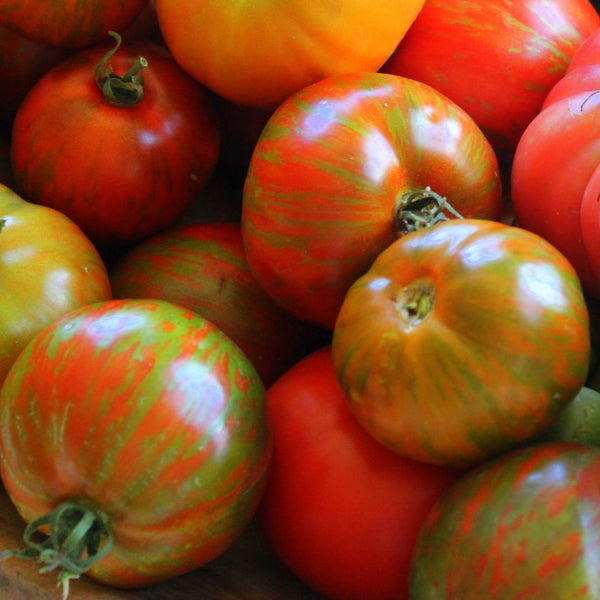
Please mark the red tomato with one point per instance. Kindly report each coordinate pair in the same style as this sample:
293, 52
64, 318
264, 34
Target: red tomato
522, 526
69, 23
340, 510
122, 168
203, 268
47, 269
258, 53
462, 341
345, 166
554, 188
145, 419
496, 59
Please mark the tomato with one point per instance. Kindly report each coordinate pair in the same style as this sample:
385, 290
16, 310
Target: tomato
121, 167
462, 341
345, 166
69, 23
340, 510
47, 268
554, 189
203, 267
522, 526
496, 59
258, 53
22, 62
136, 422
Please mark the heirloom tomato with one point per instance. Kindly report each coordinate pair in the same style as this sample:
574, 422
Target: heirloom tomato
48, 267
496, 59
462, 341
524, 525
345, 166
203, 267
339, 509
258, 53
135, 430
555, 181
69, 23
120, 141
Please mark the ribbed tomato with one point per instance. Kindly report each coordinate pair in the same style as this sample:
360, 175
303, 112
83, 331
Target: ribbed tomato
121, 150
69, 23
345, 166
203, 268
525, 525
462, 341
259, 52
496, 59
139, 423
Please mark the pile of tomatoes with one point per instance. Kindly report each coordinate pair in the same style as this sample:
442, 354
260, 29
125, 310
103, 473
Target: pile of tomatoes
333, 267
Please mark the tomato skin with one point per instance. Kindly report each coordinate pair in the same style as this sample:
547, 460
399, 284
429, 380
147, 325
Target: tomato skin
424, 344
339, 509
503, 57
154, 417
121, 173
69, 23
553, 164
47, 268
329, 170
203, 268
496, 519
299, 42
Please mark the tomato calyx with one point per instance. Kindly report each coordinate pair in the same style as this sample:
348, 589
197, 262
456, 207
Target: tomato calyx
415, 301
120, 90
78, 537
418, 209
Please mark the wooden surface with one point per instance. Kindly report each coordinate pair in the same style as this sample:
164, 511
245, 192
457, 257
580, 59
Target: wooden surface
247, 571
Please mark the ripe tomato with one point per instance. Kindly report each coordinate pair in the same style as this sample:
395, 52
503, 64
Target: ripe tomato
145, 419
339, 509
522, 526
203, 268
462, 341
554, 184
120, 167
345, 166
258, 53
69, 23
496, 59
47, 268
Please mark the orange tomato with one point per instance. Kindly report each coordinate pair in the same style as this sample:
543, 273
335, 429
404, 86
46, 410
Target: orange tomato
258, 53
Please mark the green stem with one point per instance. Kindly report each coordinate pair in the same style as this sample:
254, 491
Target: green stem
126, 90
419, 209
77, 538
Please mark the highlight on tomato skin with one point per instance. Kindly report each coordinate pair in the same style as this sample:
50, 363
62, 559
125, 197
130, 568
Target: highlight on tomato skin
462, 341
150, 418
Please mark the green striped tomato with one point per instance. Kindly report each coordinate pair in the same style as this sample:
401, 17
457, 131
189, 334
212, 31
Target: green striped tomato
462, 341
149, 417
203, 267
337, 169
526, 525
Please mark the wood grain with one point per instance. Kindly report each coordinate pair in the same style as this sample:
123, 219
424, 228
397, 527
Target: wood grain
247, 571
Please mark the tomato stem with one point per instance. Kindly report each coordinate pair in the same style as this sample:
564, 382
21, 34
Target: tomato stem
419, 209
415, 302
78, 537
126, 90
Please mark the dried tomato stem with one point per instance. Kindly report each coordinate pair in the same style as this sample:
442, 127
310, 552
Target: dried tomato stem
126, 90
419, 209
78, 537
415, 302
